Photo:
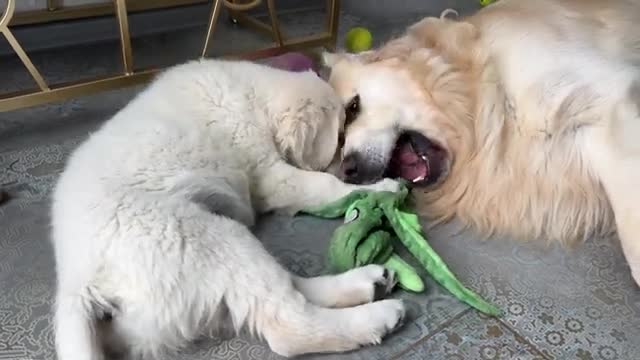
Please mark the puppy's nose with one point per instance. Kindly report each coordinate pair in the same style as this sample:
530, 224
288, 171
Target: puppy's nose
349, 168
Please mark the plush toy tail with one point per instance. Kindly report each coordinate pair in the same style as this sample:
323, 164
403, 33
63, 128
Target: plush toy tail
407, 276
408, 230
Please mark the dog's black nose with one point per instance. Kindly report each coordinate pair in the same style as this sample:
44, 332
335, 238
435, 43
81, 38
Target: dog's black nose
357, 168
349, 168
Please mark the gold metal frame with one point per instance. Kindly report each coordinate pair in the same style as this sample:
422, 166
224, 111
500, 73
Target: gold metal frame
46, 93
56, 11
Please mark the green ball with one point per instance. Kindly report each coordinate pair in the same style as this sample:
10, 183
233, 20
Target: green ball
358, 39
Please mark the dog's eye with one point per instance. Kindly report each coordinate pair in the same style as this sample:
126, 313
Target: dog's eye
352, 110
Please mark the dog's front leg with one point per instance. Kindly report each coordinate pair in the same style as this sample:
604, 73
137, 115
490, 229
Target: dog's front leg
622, 183
285, 187
622, 186
615, 155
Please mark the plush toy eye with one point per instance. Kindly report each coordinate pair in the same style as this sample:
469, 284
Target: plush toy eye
351, 215
352, 109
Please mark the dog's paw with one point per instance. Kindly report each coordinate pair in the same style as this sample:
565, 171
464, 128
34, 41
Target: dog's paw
351, 288
382, 318
335, 330
370, 283
360, 286
386, 185
384, 284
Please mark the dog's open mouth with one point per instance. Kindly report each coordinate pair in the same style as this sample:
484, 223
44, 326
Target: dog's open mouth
418, 160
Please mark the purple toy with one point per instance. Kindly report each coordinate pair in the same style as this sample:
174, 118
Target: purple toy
292, 61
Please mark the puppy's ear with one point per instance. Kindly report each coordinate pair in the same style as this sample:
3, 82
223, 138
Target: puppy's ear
296, 131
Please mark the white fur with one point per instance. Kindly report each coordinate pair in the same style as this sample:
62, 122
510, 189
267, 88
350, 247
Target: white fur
150, 219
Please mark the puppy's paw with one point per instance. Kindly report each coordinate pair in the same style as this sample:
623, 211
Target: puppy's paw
375, 281
363, 285
386, 185
383, 283
382, 318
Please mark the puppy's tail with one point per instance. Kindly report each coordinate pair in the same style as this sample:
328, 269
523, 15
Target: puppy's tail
76, 317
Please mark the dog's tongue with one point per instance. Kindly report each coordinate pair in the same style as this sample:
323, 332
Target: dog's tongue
408, 165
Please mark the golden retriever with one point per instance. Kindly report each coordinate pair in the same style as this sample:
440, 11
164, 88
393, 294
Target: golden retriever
522, 119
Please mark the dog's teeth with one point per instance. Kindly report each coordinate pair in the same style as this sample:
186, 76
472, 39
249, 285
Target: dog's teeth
419, 178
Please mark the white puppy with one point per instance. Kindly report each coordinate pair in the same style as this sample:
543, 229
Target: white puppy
150, 219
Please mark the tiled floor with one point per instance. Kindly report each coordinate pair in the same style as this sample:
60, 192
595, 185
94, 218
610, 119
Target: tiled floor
579, 304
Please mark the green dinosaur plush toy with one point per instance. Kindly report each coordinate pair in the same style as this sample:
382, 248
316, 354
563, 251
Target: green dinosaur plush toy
365, 238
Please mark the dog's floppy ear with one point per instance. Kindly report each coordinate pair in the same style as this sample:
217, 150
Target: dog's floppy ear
295, 134
456, 39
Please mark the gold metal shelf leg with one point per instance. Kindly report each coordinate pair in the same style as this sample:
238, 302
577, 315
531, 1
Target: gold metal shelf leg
333, 17
125, 36
53, 5
275, 24
4, 29
25, 60
211, 27
60, 92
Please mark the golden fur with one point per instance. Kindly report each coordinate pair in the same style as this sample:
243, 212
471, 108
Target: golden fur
537, 103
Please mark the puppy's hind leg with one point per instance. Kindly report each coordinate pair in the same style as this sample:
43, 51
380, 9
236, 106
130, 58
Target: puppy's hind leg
262, 294
354, 287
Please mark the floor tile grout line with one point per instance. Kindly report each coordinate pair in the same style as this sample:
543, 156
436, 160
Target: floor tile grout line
433, 333
522, 338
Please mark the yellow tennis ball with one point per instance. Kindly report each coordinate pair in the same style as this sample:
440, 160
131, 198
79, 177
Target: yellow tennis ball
358, 39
